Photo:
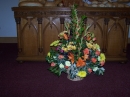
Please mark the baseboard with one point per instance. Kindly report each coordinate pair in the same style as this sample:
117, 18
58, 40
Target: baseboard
8, 39
129, 40
14, 40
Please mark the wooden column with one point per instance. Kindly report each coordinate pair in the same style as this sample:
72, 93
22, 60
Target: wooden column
18, 22
62, 23
126, 34
105, 30
40, 49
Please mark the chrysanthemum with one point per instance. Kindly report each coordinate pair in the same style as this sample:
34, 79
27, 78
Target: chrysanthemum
82, 74
102, 57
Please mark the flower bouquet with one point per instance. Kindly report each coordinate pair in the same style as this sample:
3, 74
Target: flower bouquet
75, 52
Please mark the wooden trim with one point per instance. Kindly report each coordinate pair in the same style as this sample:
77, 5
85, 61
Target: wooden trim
14, 40
129, 40
8, 39
66, 11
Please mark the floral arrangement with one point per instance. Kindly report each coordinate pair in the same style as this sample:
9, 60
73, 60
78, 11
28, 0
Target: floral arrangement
75, 52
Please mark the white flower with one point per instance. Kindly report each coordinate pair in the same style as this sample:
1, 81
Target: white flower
95, 68
102, 69
67, 63
61, 66
99, 58
54, 57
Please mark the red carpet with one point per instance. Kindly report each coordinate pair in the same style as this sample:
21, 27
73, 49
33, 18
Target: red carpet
32, 79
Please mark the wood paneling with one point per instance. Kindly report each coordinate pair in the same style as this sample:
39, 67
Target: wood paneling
37, 27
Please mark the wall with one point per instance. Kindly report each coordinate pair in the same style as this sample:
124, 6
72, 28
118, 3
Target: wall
7, 22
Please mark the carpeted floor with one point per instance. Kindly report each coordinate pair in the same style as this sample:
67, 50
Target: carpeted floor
32, 79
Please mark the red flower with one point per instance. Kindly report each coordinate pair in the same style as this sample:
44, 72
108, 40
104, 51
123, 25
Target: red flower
94, 60
66, 67
86, 51
97, 52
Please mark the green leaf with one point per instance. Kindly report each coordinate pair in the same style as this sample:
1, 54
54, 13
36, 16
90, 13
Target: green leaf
83, 17
58, 73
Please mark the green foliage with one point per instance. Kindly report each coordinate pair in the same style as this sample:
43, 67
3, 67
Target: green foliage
55, 70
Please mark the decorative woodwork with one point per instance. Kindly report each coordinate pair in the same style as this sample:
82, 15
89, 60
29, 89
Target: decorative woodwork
37, 27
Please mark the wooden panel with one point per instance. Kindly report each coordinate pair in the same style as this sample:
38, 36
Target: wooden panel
29, 37
115, 39
38, 27
50, 32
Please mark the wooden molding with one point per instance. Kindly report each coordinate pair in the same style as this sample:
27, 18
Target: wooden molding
129, 40
14, 40
8, 39
66, 11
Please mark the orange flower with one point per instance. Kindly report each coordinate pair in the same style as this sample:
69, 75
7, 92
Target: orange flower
71, 57
88, 38
65, 36
80, 62
85, 57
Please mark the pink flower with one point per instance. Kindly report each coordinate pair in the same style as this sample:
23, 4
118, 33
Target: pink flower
86, 51
53, 64
94, 60
57, 48
89, 70
97, 52
102, 63
94, 38
60, 56
61, 51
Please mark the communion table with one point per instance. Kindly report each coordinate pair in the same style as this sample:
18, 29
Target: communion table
37, 27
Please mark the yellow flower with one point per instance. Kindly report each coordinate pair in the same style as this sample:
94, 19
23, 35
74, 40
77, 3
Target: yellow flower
69, 47
94, 47
74, 47
82, 74
102, 57
49, 54
64, 49
89, 45
71, 43
97, 46
55, 43
61, 35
